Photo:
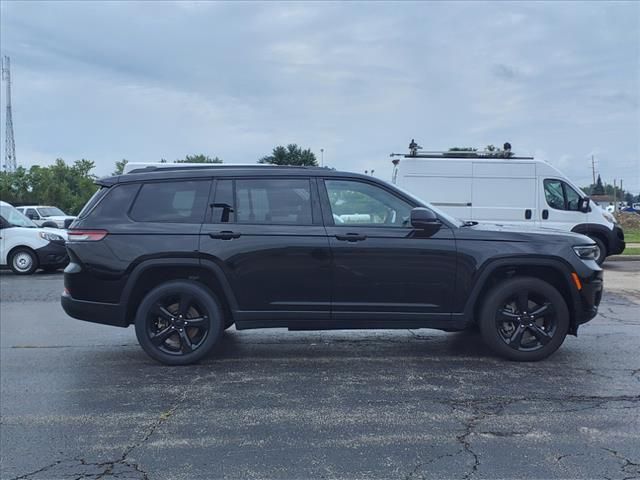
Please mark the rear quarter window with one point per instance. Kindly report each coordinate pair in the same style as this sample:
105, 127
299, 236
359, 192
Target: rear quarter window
171, 202
115, 202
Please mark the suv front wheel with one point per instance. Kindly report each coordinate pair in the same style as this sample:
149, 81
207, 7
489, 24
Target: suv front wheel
524, 319
179, 322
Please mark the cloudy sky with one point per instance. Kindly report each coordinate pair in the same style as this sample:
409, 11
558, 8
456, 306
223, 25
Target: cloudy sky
145, 81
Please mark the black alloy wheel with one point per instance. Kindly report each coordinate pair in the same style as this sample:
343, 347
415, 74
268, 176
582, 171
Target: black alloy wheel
179, 322
524, 319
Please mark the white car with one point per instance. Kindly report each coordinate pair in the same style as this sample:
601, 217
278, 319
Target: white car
25, 247
42, 215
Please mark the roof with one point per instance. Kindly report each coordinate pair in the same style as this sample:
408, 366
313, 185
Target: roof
222, 170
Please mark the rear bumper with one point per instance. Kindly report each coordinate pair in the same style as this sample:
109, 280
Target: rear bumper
616, 241
96, 312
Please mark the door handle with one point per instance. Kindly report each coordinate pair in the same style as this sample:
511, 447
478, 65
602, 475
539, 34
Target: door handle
351, 237
225, 235
527, 214
545, 214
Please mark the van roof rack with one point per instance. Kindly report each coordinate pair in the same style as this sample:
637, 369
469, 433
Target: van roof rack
459, 154
491, 152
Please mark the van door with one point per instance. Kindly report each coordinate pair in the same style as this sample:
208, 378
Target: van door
559, 205
445, 183
504, 192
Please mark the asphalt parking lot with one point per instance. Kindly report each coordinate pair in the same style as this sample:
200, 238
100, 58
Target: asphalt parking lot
83, 401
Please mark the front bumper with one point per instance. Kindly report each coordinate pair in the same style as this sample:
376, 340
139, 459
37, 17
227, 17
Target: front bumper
616, 241
590, 297
54, 254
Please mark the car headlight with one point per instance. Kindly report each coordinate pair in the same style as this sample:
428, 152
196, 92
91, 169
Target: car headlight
609, 218
51, 237
587, 252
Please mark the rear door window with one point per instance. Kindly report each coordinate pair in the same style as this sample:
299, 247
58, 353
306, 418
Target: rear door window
171, 202
270, 201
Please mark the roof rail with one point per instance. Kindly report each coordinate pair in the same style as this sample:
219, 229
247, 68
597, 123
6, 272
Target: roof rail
157, 167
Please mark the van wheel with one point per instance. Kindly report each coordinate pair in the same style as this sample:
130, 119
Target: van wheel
602, 250
179, 322
23, 261
524, 319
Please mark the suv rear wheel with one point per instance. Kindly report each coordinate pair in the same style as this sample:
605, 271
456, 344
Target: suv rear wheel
179, 322
524, 319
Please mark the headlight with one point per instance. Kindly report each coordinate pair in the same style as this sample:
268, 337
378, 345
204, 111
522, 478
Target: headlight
609, 218
51, 237
587, 252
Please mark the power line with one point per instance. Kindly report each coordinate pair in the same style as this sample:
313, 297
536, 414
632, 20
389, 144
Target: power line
10, 144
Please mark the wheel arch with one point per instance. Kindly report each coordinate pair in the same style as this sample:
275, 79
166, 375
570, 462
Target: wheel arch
152, 273
594, 230
555, 272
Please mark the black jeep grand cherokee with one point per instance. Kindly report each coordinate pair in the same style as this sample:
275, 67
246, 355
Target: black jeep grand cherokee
183, 253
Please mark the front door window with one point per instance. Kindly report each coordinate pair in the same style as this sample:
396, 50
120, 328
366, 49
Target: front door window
364, 204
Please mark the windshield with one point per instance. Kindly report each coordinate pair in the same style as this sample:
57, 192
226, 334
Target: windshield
15, 218
453, 220
51, 212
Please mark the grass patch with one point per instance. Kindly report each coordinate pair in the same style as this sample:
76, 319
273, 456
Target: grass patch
631, 251
632, 236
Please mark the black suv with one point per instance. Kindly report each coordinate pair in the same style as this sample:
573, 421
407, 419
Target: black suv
183, 253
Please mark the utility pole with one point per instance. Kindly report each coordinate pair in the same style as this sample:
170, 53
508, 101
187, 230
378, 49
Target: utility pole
322, 157
10, 145
593, 169
615, 197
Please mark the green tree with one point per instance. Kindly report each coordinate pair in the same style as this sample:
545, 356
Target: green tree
291, 155
598, 188
65, 186
120, 167
200, 158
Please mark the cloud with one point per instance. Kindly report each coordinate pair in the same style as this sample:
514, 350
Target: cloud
146, 80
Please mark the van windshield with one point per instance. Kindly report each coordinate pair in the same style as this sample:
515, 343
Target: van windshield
15, 218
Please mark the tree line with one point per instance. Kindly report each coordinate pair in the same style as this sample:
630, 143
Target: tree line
69, 186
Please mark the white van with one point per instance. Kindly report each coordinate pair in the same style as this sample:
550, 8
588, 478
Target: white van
518, 191
24, 247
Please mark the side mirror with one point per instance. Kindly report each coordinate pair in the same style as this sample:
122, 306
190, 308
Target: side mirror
583, 205
31, 216
424, 219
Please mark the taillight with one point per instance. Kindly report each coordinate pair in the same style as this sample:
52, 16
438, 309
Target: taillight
86, 235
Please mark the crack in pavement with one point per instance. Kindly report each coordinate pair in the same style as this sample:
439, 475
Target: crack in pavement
628, 467
112, 468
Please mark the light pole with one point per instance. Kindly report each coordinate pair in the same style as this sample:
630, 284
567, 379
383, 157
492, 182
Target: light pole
322, 157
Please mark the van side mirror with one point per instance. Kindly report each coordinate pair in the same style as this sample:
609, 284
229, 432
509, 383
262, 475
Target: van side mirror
424, 219
583, 205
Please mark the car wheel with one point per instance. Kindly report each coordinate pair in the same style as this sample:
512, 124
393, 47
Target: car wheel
49, 224
602, 250
179, 322
524, 319
23, 261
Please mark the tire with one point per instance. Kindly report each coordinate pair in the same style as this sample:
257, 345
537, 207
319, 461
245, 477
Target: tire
49, 224
524, 338
603, 250
169, 314
23, 261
